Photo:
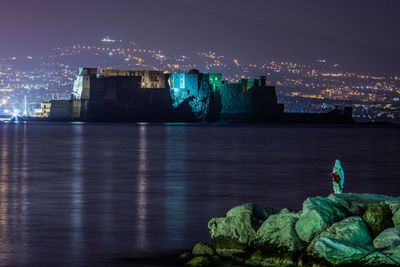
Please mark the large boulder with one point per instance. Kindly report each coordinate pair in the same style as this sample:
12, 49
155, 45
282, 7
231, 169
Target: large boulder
378, 218
317, 215
351, 229
340, 252
383, 258
389, 238
241, 223
278, 231
258, 214
357, 204
396, 219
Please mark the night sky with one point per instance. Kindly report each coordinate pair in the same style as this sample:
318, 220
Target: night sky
359, 35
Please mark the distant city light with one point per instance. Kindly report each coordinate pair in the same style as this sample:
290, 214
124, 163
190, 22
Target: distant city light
108, 40
297, 84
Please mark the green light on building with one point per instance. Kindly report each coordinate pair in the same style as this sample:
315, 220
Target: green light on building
215, 79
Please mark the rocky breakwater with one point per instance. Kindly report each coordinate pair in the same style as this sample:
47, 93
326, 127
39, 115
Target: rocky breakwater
341, 229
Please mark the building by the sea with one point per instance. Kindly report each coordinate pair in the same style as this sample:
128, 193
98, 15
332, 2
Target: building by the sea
155, 96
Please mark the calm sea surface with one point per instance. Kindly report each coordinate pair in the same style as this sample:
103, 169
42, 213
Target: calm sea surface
138, 194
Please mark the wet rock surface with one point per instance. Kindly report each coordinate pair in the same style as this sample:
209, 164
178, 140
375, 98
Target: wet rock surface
346, 229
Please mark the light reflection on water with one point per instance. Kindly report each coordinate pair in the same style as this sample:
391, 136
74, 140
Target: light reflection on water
76, 191
90, 194
13, 196
141, 208
175, 187
4, 246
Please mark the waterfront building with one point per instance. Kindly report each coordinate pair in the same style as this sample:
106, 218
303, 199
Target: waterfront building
43, 111
131, 95
112, 95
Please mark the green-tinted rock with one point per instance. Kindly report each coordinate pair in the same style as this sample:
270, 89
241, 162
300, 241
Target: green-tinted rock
228, 247
396, 219
203, 249
357, 204
278, 231
219, 227
340, 252
389, 238
290, 211
317, 215
394, 254
241, 223
258, 213
394, 205
200, 261
390, 257
352, 229
378, 218
186, 256
258, 259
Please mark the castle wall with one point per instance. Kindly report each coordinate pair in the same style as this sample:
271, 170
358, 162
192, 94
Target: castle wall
247, 100
233, 100
149, 78
60, 110
115, 95
192, 90
76, 109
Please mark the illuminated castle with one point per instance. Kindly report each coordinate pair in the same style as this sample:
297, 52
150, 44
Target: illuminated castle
154, 96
